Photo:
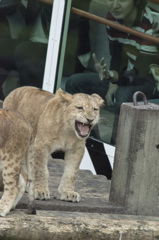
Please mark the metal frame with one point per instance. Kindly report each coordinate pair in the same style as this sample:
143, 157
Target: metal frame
54, 45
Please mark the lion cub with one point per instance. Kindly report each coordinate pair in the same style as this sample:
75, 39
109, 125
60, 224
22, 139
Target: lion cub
60, 121
16, 160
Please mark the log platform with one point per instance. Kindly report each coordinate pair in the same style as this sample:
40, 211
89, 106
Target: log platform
92, 219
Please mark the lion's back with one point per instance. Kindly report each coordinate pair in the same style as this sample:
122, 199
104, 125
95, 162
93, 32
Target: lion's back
30, 101
15, 131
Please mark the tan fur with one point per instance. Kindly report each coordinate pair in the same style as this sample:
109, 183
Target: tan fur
16, 156
53, 120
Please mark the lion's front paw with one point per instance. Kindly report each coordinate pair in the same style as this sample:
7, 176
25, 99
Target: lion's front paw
42, 194
69, 196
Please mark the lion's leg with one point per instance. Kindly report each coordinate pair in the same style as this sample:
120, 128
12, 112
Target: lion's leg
10, 174
21, 189
31, 178
67, 184
41, 171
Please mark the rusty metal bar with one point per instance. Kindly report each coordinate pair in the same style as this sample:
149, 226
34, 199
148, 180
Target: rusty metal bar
110, 23
154, 1
50, 2
114, 25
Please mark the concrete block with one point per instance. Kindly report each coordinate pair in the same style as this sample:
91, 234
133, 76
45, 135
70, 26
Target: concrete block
135, 179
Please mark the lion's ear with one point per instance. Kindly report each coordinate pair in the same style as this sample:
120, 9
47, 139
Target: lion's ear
65, 96
100, 100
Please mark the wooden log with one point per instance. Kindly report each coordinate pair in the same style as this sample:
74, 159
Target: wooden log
74, 225
135, 179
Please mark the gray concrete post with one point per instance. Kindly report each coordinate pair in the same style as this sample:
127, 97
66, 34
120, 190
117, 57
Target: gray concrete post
135, 179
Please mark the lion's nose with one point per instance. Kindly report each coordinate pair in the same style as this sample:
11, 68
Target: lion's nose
89, 120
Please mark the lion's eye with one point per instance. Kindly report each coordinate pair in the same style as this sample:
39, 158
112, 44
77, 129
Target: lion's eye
81, 108
95, 109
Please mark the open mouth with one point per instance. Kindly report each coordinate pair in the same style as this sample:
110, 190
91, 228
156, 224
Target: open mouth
83, 129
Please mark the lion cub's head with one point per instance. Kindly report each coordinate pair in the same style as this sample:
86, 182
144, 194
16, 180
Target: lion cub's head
82, 111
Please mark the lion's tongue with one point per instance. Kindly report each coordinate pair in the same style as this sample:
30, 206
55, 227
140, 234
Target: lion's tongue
83, 128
